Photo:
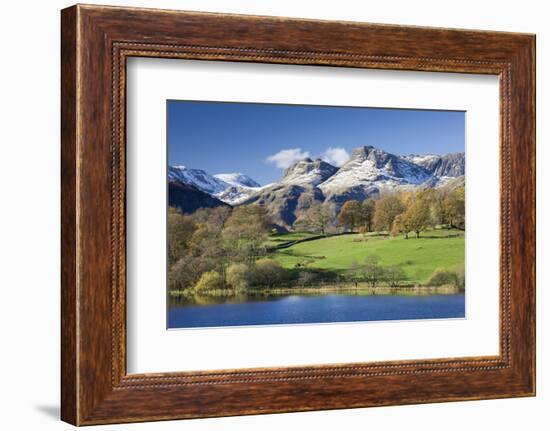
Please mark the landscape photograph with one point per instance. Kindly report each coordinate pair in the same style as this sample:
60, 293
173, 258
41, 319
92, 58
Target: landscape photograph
282, 214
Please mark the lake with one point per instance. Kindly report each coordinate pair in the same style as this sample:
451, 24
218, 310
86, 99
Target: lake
245, 310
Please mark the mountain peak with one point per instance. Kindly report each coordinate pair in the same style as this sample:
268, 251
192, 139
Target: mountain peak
308, 171
368, 152
371, 167
362, 151
197, 178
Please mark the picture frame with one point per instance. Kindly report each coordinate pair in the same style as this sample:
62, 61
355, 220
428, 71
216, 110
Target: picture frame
96, 42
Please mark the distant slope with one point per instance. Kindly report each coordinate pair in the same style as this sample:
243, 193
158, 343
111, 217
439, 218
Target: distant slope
308, 172
295, 192
197, 178
285, 201
447, 165
237, 179
230, 188
189, 198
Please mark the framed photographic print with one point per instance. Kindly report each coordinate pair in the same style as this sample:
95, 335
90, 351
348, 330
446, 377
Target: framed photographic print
269, 215
281, 237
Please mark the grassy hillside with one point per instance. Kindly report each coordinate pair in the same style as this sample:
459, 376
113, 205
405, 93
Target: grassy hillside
280, 238
418, 257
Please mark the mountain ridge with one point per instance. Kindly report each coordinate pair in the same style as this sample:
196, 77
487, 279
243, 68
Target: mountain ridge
370, 171
188, 198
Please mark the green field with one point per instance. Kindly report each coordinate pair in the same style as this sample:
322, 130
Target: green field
418, 257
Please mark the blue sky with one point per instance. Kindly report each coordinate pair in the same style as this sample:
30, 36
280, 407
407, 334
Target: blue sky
260, 140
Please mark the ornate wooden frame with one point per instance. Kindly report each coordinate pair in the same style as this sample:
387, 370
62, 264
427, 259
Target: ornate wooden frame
95, 42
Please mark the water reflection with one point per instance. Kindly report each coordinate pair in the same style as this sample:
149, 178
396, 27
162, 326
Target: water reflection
260, 309
194, 299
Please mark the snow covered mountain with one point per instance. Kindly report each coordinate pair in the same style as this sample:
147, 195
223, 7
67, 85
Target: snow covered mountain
237, 179
369, 166
369, 172
296, 191
230, 188
198, 178
308, 172
236, 195
447, 165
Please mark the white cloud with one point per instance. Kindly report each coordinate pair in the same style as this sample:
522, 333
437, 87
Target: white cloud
285, 158
335, 156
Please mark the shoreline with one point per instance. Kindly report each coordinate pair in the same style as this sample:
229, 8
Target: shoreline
320, 290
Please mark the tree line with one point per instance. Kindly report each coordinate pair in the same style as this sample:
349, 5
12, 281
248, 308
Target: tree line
398, 213
370, 271
226, 248
216, 248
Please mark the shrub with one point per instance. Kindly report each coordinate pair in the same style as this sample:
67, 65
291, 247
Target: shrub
209, 280
442, 277
370, 271
237, 275
460, 278
267, 273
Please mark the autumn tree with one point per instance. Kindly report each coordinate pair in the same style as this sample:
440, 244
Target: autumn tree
386, 209
237, 276
209, 280
350, 215
367, 214
245, 232
438, 207
317, 218
454, 208
417, 217
195, 245
400, 226
215, 217
206, 246
182, 274
434, 198
179, 232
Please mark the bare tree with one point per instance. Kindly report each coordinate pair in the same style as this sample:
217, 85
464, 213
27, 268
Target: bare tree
317, 218
367, 214
393, 275
369, 271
